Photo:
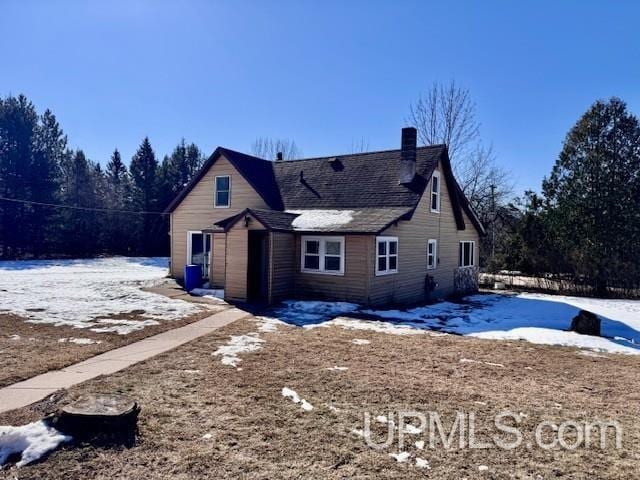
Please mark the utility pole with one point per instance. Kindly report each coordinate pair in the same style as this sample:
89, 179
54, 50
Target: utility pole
493, 221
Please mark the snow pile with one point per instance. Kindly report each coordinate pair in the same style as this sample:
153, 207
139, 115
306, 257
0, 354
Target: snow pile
79, 341
238, 344
310, 220
295, 398
300, 312
31, 441
93, 293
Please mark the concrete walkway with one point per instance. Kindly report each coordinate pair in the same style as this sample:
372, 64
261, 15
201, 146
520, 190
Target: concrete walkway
29, 391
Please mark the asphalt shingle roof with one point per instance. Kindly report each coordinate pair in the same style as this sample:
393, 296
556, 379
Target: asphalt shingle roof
365, 182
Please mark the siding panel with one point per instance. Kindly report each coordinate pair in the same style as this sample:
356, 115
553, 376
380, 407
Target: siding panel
197, 212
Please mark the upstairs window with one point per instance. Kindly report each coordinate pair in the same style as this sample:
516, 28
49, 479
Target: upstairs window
386, 255
466, 256
435, 192
432, 254
323, 255
222, 196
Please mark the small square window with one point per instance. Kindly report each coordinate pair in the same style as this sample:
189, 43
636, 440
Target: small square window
323, 255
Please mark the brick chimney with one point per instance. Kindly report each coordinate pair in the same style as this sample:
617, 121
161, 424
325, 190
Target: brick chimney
408, 155
279, 157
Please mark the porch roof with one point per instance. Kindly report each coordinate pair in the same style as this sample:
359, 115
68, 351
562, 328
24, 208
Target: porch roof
357, 220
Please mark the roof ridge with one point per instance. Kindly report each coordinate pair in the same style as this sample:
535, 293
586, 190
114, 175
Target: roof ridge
423, 147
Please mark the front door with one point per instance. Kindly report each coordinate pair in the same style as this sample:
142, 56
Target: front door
257, 272
199, 250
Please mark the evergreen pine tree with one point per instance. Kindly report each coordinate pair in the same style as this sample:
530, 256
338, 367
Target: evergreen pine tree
144, 169
592, 197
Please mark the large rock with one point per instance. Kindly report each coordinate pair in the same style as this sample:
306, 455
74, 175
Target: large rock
586, 323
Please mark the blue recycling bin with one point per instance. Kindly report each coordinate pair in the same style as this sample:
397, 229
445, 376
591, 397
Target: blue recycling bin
192, 277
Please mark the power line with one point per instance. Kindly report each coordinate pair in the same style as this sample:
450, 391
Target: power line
88, 209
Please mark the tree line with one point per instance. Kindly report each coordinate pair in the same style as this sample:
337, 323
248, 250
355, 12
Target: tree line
111, 210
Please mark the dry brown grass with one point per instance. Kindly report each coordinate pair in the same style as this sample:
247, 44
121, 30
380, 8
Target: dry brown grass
258, 434
29, 349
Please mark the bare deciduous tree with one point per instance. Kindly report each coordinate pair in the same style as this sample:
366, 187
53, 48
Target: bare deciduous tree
268, 148
446, 114
359, 146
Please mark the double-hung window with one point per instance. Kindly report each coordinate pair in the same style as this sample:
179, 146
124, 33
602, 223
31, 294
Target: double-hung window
432, 254
435, 192
323, 255
386, 255
222, 196
467, 251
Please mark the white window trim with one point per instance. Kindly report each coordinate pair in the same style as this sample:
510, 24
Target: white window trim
215, 192
387, 255
321, 254
433, 242
436, 174
473, 254
190, 233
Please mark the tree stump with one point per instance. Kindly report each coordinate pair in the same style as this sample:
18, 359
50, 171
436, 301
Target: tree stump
586, 323
98, 415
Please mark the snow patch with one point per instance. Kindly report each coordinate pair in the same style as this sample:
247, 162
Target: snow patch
468, 360
360, 341
422, 463
78, 292
295, 398
268, 324
310, 220
401, 457
215, 294
236, 345
338, 369
31, 441
79, 341
371, 325
302, 312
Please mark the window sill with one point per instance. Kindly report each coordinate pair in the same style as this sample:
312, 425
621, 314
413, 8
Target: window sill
318, 272
221, 206
435, 211
390, 272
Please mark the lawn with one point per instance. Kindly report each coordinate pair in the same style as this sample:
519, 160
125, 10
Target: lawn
214, 408
56, 313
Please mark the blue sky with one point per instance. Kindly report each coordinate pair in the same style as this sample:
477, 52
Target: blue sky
324, 73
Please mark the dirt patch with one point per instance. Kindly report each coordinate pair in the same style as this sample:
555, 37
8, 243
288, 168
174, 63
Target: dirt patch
29, 349
203, 419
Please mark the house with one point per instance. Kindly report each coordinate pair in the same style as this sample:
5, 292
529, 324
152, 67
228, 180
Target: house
372, 228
